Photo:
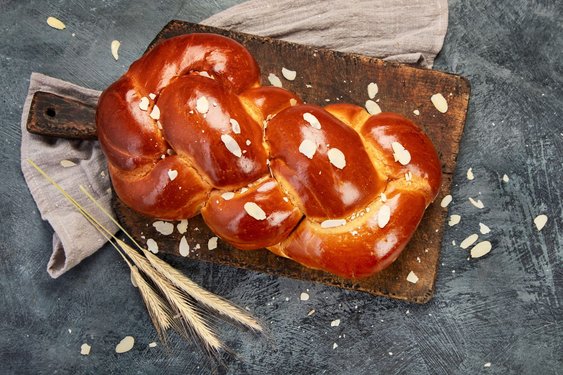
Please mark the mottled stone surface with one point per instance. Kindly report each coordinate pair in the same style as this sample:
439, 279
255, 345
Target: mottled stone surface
503, 309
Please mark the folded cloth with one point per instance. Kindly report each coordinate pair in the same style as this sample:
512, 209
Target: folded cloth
397, 30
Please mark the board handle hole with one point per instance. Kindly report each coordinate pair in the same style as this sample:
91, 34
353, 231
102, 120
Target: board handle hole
51, 112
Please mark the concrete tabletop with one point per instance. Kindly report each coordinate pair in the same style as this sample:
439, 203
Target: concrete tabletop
500, 314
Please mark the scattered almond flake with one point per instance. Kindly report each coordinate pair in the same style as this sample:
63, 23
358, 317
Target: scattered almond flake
289, 74
477, 203
267, 186
55, 23
372, 107
248, 143
482, 248
311, 312
383, 197
144, 103
540, 221
286, 199
390, 353
336, 158
470, 240
439, 102
274, 80
400, 154
228, 195
416, 112
202, 105
454, 219
152, 246
505, 178
254, 210
334, 346
152, 345
182, 226
488, 364
85, 349
327, 100
125, 345
308, 148
172, 174
412, 278
155, 113
308, 86
163, 227
312, 120
115, 48
292, 102
231, 145
243, 190
408, 176
235, 126
383, 216
184, 248
372, 90
304, 296
446, 201
197, 247
453, 242
484, 229
212, 243
335, 323
470, 175
205, 74
152, 96
67, 163
332, 223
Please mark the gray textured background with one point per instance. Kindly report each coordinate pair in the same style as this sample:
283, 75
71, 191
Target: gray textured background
504, 308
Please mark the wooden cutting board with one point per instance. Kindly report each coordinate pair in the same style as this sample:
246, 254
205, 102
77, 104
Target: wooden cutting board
323, 77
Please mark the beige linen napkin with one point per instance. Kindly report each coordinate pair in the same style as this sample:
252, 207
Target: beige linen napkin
396, 30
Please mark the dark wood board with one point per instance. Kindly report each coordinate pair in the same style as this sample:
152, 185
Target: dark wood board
323, 77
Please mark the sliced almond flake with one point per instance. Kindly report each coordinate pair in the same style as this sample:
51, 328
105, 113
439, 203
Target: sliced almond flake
416, 112
172, 174
470, 175
231, 145
505, 178
228, 195
235, 126
477, 203
182, 226
212, 243
286, 199
202, 105
289, 74
372, 107
55, 23
243, 190
184, 247
336, 158
308, 148
446, 201
152, 345
144, 103
488, 364
274, 80
312, 120
383, 216
540, 221
383, 197
267, 186
115, 49
482, 248
304, 296
254, 211
484, 229
470, 240
152, 246
402, 155
248, 143
155, 113
85, 349
125, 345
335, 323
163, 227
311, 312
334, 346
454, 220
439, 102
372, 90
333, 223
292, 102
412, 278
152, 96
205, 74
67, 163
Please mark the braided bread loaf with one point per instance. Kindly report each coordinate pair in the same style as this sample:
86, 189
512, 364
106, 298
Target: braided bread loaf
188, 129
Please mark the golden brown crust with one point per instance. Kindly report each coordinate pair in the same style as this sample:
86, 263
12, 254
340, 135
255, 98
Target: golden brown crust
188, 129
